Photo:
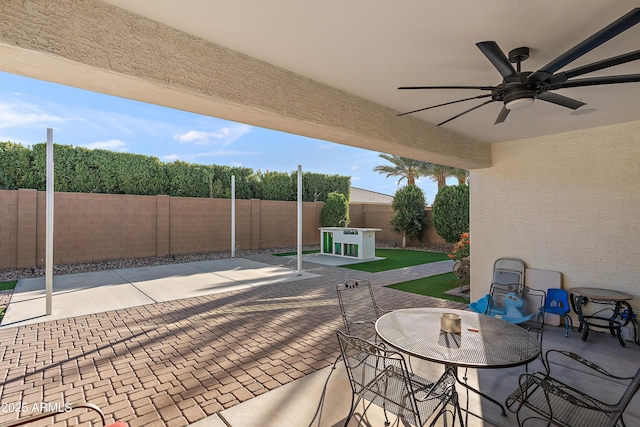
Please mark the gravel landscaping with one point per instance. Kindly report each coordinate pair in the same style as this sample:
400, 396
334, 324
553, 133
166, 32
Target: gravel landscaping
39, 271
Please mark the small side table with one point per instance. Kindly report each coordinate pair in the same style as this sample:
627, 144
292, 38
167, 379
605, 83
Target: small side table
614, 322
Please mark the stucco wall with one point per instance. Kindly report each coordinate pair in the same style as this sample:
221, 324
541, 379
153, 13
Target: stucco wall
567, 202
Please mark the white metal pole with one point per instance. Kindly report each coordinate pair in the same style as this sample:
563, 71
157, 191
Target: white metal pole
233, 216
49, 224
299, 220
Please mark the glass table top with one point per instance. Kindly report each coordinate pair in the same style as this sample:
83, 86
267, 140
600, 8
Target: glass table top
484, 341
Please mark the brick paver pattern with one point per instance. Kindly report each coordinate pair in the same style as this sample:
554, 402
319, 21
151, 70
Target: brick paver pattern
174, 363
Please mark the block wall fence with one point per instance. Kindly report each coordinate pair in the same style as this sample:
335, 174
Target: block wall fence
92, 227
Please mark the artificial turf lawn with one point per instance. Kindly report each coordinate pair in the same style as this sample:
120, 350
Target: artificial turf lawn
3, 287
433, 286
8, 285
397, 258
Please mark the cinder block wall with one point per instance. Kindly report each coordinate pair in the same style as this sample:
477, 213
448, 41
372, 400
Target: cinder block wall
98, 227
94, 227
8, 229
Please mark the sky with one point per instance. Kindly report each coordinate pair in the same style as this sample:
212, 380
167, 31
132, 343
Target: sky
93, 120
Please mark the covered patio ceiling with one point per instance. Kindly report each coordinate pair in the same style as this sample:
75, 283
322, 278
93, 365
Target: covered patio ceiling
370, 48
328, 70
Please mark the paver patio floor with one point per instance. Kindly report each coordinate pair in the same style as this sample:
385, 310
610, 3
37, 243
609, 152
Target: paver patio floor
176, 362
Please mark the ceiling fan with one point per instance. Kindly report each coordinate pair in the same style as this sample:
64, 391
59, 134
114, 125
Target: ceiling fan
520, 89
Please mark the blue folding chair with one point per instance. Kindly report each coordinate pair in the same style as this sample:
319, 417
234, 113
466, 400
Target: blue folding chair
558, 303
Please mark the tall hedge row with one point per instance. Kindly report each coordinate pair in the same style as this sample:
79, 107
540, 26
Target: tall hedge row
82, 170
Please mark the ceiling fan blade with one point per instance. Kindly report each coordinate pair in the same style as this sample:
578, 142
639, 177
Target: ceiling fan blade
595, 81
607, 33
446, 103
466, 111
595, 66
502, 116
606, 63
447, 87
499, 60
561, 100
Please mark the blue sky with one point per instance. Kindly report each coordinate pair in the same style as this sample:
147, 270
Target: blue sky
93, 120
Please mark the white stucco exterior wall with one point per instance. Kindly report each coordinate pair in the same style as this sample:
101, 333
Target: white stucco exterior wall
568, 202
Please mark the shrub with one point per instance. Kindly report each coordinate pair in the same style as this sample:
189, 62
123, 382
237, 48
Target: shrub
461, 249
335, 210
451, 212
410, 214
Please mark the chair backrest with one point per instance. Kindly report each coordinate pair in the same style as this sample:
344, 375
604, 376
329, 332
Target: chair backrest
358, 307
535, 301
381, 377
498, 294
508, 271
557, 301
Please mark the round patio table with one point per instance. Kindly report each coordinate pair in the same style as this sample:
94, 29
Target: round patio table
607, 318
484, 342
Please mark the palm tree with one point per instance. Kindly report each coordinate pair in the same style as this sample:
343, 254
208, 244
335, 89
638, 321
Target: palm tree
462, 175
411, 170
403, 167
437, 173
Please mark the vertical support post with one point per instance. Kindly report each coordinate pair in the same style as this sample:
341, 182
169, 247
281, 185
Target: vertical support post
233, 216
299, 220
49, 225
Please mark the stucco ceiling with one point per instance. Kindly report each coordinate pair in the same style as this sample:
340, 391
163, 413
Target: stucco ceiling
371, 47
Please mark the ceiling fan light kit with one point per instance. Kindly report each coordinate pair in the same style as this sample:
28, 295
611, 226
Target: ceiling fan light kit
519, 103
519, 89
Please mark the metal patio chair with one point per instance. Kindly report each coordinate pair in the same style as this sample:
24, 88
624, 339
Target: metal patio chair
359, 309
560, 404
380, 376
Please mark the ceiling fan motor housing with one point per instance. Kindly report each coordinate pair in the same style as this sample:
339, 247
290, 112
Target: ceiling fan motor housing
519, 96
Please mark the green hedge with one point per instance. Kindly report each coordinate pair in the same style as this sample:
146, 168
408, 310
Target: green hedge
15, 167
82, 170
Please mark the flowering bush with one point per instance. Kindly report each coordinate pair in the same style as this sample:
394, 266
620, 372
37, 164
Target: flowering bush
461, 249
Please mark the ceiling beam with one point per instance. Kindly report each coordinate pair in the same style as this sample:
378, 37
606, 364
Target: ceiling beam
92, 45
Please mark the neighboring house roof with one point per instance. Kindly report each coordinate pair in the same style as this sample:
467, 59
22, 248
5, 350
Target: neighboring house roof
359, 195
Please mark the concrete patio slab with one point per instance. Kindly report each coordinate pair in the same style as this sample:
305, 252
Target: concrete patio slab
73, 294
96, 292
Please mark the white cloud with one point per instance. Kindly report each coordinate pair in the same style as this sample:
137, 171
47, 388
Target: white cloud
325, 146
355, 178
224, 136
355, 167
112, 144
24, 115
170, 157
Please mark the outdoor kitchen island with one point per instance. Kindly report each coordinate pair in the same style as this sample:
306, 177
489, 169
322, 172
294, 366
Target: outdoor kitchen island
359, 243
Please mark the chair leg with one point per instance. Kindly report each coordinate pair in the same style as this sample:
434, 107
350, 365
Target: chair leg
352, 410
